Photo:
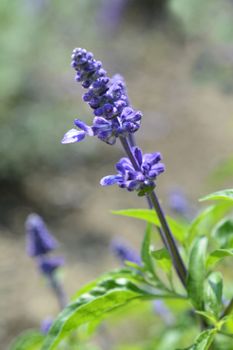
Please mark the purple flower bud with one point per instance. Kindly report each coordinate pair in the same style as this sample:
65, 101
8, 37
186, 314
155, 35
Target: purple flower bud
48, 265
73, 136
124, 252
46, 325
39, 240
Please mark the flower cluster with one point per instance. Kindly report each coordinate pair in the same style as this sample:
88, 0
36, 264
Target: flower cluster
141, 179
113, 117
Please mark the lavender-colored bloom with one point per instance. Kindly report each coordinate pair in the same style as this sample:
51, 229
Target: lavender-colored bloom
46, 325
108, 99
149, 167
124, 252
48, 265
39, 240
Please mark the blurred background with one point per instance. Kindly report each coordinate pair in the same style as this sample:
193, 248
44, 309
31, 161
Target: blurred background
177, 59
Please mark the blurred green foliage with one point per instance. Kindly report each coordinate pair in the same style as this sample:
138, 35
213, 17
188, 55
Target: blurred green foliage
38, 95
37, 106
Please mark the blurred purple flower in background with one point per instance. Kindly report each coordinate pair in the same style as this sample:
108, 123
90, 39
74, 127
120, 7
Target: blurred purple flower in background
48, 265
180, 205
39, 241
160, 308
124, 252
110, 14
46, 325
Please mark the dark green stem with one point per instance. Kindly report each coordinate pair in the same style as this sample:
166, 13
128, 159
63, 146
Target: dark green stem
165, 233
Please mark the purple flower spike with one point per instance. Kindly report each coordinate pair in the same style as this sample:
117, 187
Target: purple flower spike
124, 252
107, 98
48, 265
46, 325
39, 240
141, 179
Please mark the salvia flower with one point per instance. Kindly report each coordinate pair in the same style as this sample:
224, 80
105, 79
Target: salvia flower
39, 240
49, 264
108, 99
124, 252
142, 179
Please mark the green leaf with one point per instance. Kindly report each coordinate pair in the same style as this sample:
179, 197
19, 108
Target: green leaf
205, 221
217, 255
163, 259
208, 315
29, 340
203, 341
145, 250
224, 195
213, 294
128, 273
105, 297
197, 272
223, 233
178, 229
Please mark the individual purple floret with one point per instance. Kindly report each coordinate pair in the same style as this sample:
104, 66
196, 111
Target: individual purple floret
149, 167
124, 252
108, 99
46, 325
48, 265
39, 240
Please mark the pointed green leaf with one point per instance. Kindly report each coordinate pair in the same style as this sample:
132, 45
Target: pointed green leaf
213, 294
224, 195
128, 273
178, 229
206, 220
145, 250
217, 255
223, 233
29, 340
197, 272
104, 298
203, 341
163, 259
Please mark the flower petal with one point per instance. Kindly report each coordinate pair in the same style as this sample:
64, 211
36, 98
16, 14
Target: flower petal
83, 126
110, 180
73, 136
138, 155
